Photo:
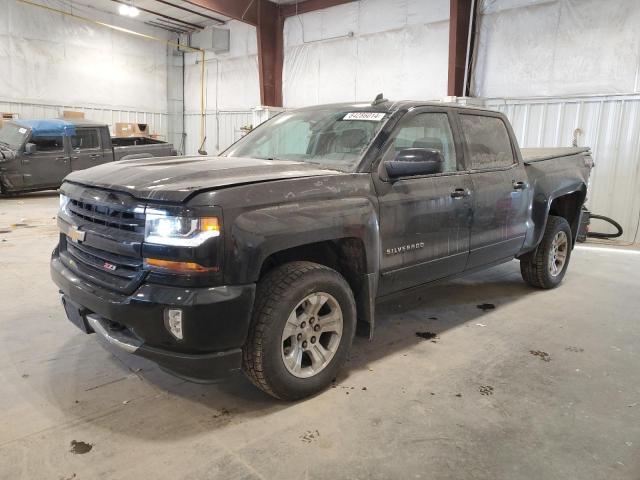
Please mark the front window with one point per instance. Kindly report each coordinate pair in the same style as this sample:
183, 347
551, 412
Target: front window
13, 136
48, 143
332, 138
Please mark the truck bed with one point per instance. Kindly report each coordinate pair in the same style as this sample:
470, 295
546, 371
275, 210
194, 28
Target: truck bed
530, 155
136, 146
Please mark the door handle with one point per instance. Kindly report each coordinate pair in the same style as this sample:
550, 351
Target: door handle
460, 193
519, 185
64, 159
94, 155
75, 158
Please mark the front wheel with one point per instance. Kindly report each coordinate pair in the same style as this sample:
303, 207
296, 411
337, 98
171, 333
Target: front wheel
546, 267
302, 328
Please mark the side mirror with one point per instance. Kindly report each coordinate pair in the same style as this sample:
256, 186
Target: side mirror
30, 148
415, 161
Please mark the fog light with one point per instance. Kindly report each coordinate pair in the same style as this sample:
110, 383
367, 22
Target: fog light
173, 322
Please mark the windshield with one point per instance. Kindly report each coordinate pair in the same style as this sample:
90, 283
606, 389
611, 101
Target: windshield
13, 135
330, 137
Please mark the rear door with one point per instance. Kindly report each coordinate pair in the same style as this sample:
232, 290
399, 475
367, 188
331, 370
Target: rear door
424, 220
48, 165
501, 192
86, 148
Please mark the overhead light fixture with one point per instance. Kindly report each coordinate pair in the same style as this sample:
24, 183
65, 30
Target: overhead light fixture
128, 11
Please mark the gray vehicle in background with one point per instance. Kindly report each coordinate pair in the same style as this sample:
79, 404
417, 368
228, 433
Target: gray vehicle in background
38, 154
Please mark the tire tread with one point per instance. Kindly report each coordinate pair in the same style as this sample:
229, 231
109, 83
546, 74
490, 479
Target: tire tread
271, 290
534, 268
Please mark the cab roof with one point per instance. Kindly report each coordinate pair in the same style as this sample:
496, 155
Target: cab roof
55, 126
389, 106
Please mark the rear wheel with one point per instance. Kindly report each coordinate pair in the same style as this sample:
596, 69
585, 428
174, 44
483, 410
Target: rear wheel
302, 328
546, 267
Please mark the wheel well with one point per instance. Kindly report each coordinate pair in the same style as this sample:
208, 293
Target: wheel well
345, 255
568, 206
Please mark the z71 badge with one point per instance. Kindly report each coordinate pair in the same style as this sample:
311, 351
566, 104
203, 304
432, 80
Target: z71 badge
404, 248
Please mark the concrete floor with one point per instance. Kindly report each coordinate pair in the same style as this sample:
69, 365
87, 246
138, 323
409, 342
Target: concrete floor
544, 386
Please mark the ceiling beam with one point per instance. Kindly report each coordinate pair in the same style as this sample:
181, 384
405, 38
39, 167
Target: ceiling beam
460, 27
195, 12
307, 6
158, 14
243, 10
166, 27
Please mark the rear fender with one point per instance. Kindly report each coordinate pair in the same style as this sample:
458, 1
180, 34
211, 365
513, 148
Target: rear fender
541, 208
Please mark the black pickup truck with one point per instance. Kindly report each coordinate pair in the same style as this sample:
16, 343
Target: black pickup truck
269, 257
38, 154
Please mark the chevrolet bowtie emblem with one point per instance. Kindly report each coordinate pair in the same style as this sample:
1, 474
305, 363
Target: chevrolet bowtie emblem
76, 235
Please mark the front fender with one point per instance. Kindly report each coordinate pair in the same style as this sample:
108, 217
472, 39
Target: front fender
259, 233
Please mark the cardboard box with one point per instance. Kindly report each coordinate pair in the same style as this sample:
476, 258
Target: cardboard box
6, 116
72, 114
124, 129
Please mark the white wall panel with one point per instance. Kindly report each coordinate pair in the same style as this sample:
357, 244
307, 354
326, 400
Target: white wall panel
557, 48
48, 58
231, 90
354, 51
222, 129
609, 125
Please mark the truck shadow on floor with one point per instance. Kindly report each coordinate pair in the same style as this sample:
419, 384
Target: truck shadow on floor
427, 313
234, 400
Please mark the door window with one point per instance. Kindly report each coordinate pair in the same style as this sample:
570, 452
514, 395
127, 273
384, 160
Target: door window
488, 142
85, 139
426, 130
47, 144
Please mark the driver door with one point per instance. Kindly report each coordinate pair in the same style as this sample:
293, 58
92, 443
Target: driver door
48, 165
425, 220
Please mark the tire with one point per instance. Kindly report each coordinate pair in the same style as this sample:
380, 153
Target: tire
537, 269
285, 298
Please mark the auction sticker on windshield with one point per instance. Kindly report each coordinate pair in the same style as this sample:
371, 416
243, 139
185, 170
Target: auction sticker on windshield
370, 116
22, 130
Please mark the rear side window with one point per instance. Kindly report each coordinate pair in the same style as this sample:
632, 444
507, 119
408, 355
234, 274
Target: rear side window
47, 144
85, 139
488, 142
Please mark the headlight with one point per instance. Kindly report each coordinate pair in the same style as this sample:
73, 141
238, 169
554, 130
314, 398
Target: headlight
64, 201
180, 231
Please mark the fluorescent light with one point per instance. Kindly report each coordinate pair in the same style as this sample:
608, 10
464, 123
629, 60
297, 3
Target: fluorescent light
128, 10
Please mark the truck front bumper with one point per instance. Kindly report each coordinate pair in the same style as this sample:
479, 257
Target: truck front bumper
215, 322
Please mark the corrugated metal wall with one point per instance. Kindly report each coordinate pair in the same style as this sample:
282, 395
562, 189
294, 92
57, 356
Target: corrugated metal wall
157, 121
610, 125
222, 129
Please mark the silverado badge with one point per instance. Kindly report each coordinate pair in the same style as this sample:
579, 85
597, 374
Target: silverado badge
404, 248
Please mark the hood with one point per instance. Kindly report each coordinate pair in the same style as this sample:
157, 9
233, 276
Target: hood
174, 179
